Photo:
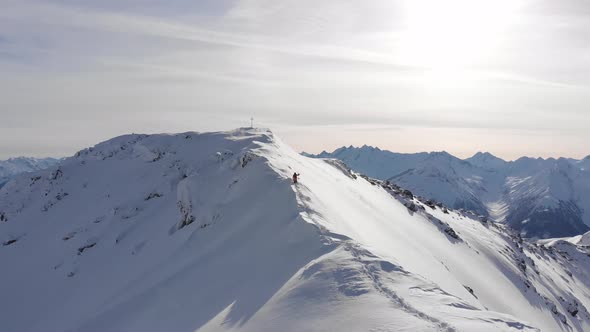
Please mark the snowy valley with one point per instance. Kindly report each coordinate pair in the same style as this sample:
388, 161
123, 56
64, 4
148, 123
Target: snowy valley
206, 232
541, 198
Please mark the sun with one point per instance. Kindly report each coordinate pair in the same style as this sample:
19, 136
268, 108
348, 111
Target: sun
454, 33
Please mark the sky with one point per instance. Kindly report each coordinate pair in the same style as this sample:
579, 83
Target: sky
511, 77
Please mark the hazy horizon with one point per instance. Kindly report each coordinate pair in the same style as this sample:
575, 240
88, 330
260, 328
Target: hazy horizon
69, 153
508, 77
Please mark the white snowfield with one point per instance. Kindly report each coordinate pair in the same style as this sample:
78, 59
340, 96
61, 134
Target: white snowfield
206, 232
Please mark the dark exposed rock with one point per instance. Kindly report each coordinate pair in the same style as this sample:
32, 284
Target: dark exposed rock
88, 246
186, 217
34, 179
571, 307
342, 167
470, 290
58, 173
152, 195
223, 155
527, 283
60, 196
158, 156
451, 232
68, 236
9, 242
246, 158
555, 311
411, 206
407, 193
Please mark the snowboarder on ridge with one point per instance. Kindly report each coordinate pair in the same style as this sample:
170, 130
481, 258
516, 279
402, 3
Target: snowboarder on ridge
295, 176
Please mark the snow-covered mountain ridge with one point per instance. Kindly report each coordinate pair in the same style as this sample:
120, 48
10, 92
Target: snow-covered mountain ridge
206, 232
15, 166
539, 197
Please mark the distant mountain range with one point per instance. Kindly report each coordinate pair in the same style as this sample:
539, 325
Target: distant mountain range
539, 197
14, 166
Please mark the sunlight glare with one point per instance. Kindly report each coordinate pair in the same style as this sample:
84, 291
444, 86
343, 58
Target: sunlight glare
454, 33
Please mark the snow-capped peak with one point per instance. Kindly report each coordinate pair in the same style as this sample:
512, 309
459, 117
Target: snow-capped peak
486, 160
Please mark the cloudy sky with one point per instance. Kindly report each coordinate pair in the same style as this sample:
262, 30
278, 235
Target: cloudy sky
507, 76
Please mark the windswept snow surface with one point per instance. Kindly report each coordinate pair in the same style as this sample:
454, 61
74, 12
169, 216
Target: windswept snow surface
206, 232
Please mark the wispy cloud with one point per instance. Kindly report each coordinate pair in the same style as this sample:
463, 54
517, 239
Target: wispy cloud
167, 66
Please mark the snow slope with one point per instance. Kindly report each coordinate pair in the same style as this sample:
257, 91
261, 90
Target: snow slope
15, 166
584, 164
539, 197
580, 240
206, 232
